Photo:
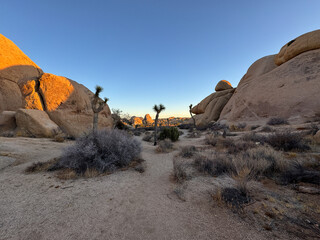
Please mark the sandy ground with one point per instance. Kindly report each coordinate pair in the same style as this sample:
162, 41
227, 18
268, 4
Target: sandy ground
124, 205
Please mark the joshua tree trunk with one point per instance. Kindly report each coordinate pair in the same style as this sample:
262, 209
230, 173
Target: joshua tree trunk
97, 105
156, 129
95, 121
194, 120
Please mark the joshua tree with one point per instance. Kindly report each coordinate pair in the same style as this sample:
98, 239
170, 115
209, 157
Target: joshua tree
157, 109
97, 105
194, 121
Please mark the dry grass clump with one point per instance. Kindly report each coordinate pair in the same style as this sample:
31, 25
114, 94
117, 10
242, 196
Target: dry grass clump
41, 166
237, 128
188, 151
277, 121
266, 129
148, 137
165, 146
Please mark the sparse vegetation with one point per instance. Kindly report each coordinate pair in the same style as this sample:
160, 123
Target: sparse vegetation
211, 139
41, 166
277, 121
165, 146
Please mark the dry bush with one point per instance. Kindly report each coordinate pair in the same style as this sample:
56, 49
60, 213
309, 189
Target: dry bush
164, 146
8, 134
41, 166
180, 170
194, 134
67, 174
238, 127
102, 151
215, 165
148, 137
254, 137
234, 147
211, 139
277, 121
261, 161
287, 141
266, 129
188, 151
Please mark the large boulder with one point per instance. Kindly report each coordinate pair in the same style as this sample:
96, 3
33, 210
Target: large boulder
209, 109
35, 123
290, 90
68, 104
223, 85
23, 85
136, 121
306, 42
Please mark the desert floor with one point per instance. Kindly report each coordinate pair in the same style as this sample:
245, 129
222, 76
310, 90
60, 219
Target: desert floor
123, 205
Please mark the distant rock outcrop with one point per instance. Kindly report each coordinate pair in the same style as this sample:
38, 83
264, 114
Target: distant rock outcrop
209, 109
290, 90
148, 120
23, 85
136, 121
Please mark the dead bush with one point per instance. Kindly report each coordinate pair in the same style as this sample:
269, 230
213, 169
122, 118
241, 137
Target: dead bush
188, 151
234, 147
215, 165
180, 170
277, 121
41, 166
287, 141
102, 151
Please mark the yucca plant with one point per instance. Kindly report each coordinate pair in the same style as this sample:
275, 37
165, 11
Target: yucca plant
97, 105
157, 109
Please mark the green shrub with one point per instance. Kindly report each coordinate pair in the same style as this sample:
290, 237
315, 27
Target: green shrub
172, 133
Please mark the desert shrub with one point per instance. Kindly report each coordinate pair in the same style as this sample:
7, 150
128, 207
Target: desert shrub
218, 126
164, 146
211, 139
102, 151
314, 129
215, 165
287, 141
148, 137
180, 170
7, 134
254, 127
253, 137
188, 151
171, 133
238, 127
297, 173
266, 129
194, 134
235, 197
261, 161
234, 147
277, 121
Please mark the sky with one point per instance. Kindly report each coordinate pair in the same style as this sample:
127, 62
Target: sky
146, 52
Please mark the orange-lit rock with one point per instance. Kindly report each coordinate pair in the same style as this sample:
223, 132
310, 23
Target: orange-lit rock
31, 97
14, 64
223, 85
35, 123
136, 121
306, 42
55, 90
148, 120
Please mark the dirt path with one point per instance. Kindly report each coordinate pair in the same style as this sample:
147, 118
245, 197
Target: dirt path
124, 205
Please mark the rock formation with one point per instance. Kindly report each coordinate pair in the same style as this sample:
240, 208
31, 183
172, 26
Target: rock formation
209, 109
136, 121
148, 120
23, 85
290, 90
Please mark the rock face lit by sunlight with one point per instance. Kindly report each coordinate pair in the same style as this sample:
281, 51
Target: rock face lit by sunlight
55, 90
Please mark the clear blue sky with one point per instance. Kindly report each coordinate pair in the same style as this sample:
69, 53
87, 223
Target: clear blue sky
146, 52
